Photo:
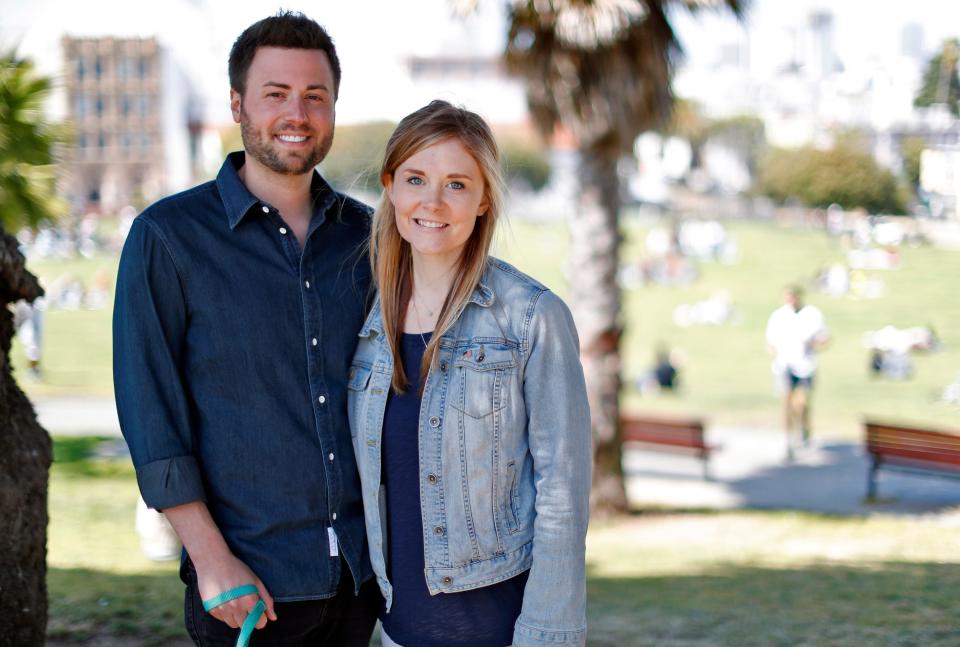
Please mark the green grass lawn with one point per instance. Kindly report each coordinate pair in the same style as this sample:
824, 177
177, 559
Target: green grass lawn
726, 377
733, 578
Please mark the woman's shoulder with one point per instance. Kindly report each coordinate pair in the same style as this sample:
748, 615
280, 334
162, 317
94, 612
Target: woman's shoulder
511, 286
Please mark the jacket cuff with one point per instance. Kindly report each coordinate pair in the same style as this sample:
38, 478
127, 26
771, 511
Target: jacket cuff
170, 482
525, 635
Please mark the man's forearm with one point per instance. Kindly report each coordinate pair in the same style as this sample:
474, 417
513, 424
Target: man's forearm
198, 531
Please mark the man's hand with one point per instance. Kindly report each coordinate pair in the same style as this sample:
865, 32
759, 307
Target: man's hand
226, 572
218, 570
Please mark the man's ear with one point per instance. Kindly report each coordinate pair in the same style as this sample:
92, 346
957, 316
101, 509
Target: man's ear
235, 105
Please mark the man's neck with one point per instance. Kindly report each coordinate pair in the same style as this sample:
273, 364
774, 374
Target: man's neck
290, 194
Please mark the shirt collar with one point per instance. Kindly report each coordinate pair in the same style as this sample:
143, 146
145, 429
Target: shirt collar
238, 201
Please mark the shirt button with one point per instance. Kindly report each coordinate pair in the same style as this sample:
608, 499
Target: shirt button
438, 530
322, 399
434, 422
432, 478
330, 456
307, 284
283, 230
334, 516
314, 341
266, 209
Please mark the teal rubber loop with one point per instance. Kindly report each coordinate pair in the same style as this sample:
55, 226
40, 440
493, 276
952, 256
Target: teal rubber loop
252, 618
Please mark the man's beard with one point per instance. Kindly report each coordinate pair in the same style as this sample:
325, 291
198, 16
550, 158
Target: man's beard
267, 153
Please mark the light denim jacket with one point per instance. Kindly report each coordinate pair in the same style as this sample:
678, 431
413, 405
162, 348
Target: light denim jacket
505, 453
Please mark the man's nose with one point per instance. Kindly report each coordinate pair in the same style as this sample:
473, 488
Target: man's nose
296, 111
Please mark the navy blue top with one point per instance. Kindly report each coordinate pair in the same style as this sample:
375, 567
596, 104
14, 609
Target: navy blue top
231, 352
481, 617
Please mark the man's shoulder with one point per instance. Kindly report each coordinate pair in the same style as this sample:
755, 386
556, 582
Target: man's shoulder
187, 203
351, 211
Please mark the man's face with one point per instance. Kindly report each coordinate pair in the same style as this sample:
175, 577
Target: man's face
287, 112
794, 300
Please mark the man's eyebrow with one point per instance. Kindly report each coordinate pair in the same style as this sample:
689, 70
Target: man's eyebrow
287, 86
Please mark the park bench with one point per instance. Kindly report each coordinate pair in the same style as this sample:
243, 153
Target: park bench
670, 434
910, 449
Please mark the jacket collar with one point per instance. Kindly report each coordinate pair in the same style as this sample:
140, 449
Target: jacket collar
482, 295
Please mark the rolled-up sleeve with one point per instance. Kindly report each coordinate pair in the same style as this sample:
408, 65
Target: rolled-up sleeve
149, 327
558, 427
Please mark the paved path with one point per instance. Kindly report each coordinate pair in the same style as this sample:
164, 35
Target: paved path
78, 416
749, 470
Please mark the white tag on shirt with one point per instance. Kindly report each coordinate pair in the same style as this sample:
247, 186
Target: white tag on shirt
332, 537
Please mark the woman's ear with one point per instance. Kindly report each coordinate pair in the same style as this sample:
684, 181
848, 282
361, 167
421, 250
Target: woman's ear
484, 206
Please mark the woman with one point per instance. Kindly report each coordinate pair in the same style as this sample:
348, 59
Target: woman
468, 410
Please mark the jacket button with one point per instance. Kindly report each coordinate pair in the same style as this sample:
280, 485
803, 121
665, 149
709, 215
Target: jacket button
446, 579
434, 422
432, 478
438, 530
443, 366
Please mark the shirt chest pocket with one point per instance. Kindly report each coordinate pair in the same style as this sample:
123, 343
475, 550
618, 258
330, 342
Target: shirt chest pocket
482, 377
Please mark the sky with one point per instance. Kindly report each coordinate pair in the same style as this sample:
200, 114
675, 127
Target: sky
373, 37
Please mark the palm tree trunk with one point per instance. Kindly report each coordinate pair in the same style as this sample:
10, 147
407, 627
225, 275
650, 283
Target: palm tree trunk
595, 302
25, 457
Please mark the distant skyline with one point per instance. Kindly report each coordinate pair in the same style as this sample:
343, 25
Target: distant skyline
375, 36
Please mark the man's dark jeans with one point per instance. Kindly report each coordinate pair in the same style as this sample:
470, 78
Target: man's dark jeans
344, 620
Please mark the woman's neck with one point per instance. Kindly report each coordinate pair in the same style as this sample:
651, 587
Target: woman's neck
432, 280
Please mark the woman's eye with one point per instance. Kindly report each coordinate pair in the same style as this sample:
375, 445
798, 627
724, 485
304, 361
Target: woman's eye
456, 185
414, 180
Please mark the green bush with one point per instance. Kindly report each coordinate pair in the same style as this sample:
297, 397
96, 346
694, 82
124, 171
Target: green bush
844, 175
524, 164
354, 161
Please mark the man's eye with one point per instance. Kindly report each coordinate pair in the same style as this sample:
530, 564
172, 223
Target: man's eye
275, 95
315, 97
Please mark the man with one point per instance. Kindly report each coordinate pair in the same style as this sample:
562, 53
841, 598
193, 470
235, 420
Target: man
795, 333
237, 311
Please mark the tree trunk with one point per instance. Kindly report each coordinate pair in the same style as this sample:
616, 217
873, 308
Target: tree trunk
595, 302
25, 457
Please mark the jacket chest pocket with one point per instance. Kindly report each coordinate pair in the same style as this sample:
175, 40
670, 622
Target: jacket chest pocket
481, 378
357, 381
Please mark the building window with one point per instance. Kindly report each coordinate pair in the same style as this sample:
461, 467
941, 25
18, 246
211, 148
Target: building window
80, 107
81, 69
98, 67
102, 140
100, 105
143, 67
125, 105
144, 106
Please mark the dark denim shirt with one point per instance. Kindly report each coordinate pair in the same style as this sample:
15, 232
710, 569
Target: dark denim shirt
231, 353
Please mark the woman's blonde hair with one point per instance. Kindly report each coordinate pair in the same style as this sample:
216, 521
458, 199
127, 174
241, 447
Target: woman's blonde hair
390, 254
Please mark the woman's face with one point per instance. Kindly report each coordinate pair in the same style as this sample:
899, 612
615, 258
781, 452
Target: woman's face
438, 194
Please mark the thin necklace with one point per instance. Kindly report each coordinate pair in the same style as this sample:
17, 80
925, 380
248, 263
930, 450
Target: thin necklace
420, 332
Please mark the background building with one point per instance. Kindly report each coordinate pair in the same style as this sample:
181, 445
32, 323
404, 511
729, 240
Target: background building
136, 127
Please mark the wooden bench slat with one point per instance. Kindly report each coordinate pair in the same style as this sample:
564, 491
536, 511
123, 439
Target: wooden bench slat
925, 450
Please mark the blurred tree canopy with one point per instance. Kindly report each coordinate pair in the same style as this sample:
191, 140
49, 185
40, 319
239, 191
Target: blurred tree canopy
845, 175
940, 81
27, 192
